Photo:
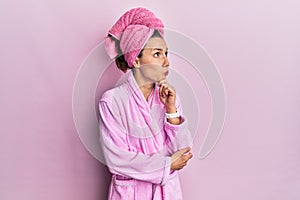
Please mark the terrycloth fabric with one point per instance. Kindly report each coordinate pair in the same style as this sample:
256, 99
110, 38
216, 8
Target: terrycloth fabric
132, 31
137, 142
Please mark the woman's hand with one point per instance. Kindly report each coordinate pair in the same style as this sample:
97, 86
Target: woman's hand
180, 158
167, 95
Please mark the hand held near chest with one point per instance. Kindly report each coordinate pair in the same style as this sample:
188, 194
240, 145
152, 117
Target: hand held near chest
180, 158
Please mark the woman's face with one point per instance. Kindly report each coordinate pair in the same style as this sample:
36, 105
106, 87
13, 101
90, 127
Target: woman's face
153, 66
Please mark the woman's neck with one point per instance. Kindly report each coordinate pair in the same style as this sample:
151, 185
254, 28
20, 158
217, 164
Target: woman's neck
145, 87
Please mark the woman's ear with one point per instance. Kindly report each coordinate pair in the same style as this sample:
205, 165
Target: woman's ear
136, 63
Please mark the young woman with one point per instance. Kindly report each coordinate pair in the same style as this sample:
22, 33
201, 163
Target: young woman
144, 137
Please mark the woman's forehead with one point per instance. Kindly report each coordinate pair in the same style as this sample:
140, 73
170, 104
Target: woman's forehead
156, 43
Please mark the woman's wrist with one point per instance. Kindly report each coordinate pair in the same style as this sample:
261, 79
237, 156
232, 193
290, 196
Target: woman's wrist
173, 117
171, 109
174, 121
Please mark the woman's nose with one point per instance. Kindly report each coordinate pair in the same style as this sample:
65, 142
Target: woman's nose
166, 62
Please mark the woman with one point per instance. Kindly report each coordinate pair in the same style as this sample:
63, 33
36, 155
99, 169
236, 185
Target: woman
144, 137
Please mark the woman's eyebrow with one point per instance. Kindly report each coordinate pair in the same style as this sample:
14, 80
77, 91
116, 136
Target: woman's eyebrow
159, 49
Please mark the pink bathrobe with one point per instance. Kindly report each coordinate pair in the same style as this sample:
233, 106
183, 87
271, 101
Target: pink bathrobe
137, 142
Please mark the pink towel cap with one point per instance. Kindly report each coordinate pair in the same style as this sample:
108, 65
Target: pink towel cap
111, 47
133, 40
131, 32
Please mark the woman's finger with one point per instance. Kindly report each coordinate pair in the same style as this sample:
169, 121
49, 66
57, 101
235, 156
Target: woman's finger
160, 90
171, 90
162, 82
166, 91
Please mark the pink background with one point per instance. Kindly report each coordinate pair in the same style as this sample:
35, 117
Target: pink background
255, 45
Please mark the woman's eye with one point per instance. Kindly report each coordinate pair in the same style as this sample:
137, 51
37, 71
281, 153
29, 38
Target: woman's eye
166, 54
156, 54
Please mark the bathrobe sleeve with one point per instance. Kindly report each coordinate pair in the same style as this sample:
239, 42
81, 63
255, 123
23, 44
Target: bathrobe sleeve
178, 136
119, 158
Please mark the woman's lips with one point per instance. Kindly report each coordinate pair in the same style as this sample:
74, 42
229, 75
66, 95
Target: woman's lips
166, 73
